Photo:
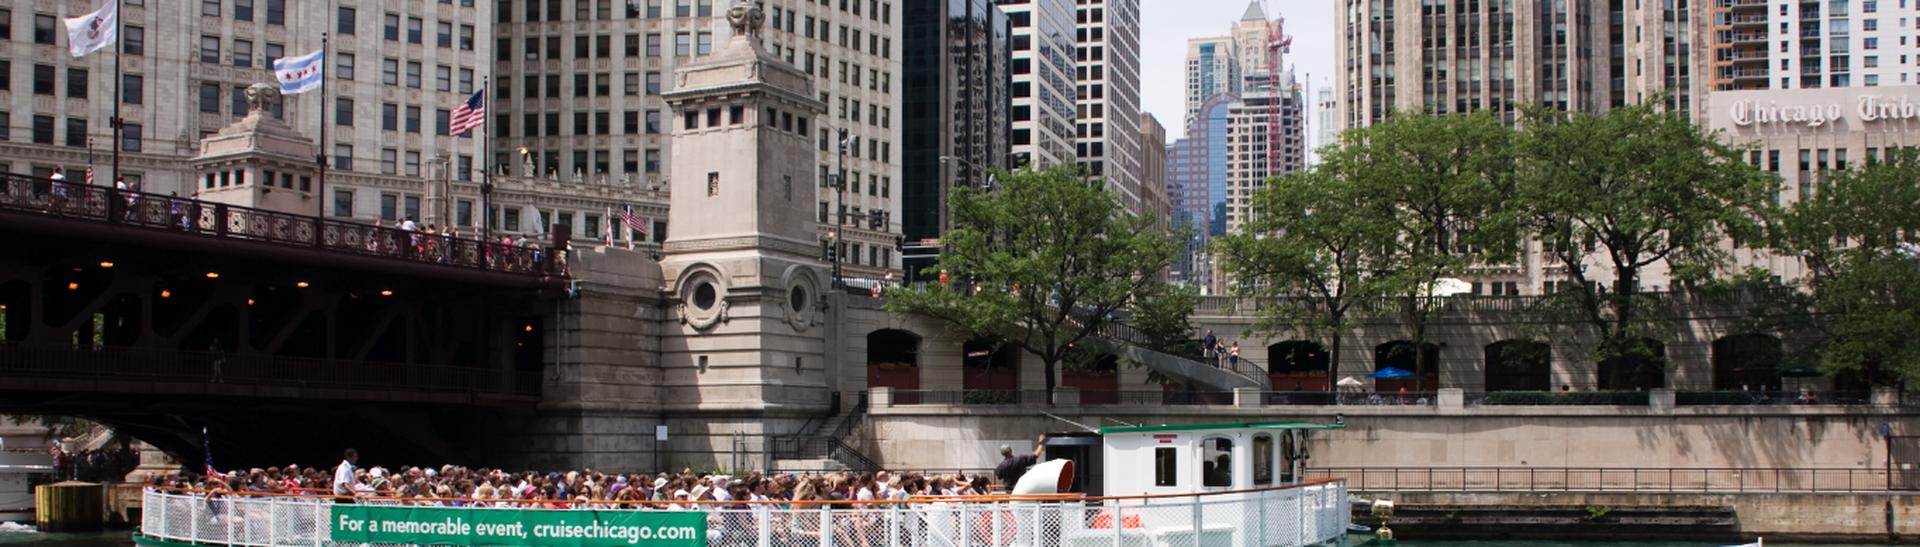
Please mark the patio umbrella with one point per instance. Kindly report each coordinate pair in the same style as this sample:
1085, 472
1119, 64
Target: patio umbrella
1391, 373
1348, 382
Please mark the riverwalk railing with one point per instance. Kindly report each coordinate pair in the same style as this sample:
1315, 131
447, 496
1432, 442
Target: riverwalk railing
1302, 514
1678, 480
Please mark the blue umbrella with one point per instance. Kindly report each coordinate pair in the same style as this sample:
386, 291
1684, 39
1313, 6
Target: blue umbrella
1391, 373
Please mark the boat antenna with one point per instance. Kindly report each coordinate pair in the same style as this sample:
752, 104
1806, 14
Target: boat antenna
1076, 424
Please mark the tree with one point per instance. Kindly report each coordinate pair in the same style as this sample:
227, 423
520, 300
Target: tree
1859, 236
1612, 195
1436, 182
1309, 255
1044, 263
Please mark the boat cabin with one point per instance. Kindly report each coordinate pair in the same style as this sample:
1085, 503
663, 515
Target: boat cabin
1178, 459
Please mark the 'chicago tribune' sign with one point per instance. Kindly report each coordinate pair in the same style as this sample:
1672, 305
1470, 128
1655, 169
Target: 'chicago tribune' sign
1866, 108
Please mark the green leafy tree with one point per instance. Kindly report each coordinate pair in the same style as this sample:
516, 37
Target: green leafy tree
1309, 256
1612, 195
1044, 263
1859, 236
1436, 181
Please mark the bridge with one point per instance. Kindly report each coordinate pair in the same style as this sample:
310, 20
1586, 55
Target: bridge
160, 314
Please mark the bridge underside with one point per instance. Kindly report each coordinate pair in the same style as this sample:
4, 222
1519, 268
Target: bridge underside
282, 360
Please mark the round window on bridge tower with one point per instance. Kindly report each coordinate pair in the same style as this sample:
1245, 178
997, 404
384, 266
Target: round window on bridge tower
797, 298
704, 295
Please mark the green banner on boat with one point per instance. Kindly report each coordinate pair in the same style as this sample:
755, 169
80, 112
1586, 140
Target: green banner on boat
458, 526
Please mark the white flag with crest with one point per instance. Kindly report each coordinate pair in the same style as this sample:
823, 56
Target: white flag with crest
88, 33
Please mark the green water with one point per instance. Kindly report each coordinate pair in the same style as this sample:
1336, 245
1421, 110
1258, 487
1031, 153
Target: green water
95, 539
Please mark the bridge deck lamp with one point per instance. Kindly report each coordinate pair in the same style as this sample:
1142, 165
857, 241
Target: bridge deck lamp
213, 275
386, 293
301, 284
106, 264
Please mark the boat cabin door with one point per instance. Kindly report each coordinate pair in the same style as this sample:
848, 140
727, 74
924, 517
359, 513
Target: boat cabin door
1085, 450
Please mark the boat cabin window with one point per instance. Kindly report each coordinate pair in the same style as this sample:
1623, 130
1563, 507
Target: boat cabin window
1166, 466
1216, 457
1263, 460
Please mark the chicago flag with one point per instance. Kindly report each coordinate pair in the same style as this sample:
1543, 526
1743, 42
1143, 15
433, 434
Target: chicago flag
88, 33
300, 74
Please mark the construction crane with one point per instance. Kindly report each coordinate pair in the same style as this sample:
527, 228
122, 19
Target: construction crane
1279, 43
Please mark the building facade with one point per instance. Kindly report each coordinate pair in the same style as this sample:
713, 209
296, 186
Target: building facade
1776, 44
1042, 81
1326, 123
1153, 170
558, 64
1197, 167
955, 114
1212, 69
1498, 55
1265, 140
1107, 76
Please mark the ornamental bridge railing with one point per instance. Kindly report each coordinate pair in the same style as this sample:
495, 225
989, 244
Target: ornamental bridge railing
1310, 513
47, 198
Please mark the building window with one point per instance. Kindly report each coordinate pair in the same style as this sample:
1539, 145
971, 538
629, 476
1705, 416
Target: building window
43, 129
210, 49
466, 37
133, 89
210, 98
389, 207
276, 12
130, 137
343, 65
343, 203
243, 53
653, 122
413, 74
443, 78
441, 118
389, 117
77, 83
443, 34
76, 132
134, 42
243, 10
413, 168
389, 164
343, 157
345, 22
391, 27
466, 81
653, 44
413, 119
1216, 462
653, 83
682, 44
343, 111
416, 28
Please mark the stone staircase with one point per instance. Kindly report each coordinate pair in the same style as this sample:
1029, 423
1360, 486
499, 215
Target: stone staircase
823, 445
1223, 376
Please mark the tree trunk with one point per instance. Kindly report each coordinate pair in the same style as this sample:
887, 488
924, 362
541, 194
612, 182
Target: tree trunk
1048, 373
1333, 362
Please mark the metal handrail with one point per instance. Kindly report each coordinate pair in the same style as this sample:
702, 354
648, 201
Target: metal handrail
253, 370
72, 200
1619, 479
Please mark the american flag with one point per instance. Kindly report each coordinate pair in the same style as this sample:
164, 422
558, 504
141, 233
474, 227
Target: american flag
633, 221
89, 175
470, 114
206, 440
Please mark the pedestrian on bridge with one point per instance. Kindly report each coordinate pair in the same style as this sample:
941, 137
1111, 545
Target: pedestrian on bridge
1234, 355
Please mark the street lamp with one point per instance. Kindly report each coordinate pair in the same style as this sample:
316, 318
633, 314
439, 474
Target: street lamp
991, 183
847, 140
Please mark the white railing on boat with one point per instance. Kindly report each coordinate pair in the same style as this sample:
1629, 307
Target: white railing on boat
1304, 514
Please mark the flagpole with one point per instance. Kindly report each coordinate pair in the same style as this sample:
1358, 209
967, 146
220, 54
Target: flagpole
116, 123
486, 151
320, 159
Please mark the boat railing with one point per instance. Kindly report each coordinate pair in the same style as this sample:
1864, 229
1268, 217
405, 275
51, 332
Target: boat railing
1301, 514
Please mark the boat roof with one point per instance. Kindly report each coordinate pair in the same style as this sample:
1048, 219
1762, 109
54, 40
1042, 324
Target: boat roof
1220, 425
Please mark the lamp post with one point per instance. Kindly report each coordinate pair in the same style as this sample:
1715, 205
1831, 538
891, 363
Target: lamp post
847, 140
988, 174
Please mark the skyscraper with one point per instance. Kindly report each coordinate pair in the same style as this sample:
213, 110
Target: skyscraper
1212, 69
954, 111
1266, 141
1817, 51
1196, 186
1498, 55
1042, 86
1326, 119
1153, 170
1108, 93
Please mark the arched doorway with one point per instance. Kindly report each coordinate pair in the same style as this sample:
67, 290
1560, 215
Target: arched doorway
893, 360
1748, 361
1399, 356
987, 365
1299, 365
1519, 365
1639, 364
1098, 382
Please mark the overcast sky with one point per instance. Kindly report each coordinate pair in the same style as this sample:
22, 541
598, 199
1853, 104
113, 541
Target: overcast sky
1165, 26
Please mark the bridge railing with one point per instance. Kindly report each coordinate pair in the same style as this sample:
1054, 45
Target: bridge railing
74, 200
1302, 514
19, 362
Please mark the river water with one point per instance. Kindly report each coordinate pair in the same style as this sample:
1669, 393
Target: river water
122, 538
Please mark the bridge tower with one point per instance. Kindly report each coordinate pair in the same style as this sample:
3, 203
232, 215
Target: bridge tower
258, 161
746, 285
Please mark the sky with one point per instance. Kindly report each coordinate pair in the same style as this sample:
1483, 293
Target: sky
1165, 26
